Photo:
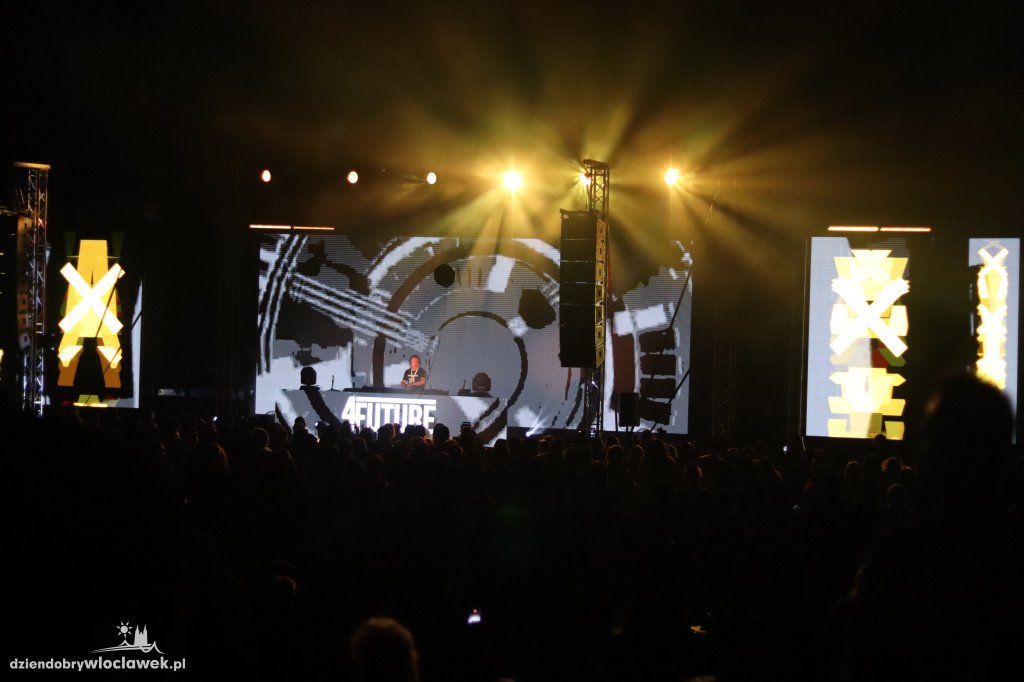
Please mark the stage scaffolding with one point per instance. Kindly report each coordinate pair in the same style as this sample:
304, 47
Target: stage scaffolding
598, 190
31, 195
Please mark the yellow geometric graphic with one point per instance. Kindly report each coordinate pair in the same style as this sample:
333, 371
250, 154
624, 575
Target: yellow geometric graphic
993, 281
92, 304
869, 283
866, 398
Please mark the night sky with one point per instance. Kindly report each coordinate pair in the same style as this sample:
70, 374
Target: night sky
787, 117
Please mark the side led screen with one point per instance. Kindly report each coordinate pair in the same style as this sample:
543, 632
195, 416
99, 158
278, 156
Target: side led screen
99, 326
857, 329
997, 315
341, 317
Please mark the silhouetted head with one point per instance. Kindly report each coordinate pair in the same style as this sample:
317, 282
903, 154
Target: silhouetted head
441, 434
966, 441
383, 650
965, 411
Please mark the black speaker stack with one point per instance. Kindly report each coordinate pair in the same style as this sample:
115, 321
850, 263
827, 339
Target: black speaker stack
629, 409
582, 281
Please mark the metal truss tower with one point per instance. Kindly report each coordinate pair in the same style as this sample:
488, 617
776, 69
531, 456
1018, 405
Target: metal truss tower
30, 200
598, 188
723, 363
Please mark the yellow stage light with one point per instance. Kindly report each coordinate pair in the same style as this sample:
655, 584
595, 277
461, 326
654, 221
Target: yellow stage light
353, 177
513, 181
671, 176
585, 179
265, 176
431, 178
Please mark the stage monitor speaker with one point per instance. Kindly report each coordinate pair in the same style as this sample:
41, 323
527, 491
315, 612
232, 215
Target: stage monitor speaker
629, 409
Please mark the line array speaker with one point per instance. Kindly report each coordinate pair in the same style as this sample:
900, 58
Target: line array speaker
582, 280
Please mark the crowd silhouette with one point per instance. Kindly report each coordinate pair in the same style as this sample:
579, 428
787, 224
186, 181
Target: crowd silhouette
254, 547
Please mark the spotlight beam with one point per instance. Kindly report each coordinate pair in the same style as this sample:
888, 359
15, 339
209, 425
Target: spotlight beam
513, 180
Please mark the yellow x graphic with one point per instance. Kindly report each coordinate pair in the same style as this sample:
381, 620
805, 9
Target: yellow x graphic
869, 316
992, 263
92, 298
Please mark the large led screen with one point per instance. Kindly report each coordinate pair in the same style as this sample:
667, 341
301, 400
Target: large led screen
97, 285
997, 315
856, 337
341, 317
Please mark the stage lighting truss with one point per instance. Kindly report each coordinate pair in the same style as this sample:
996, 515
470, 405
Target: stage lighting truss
31, 197
598, 188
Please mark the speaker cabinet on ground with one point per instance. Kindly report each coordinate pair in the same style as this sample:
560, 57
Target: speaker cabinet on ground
629, 409
582, 280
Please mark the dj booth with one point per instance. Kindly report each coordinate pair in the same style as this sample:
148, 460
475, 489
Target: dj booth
374, 407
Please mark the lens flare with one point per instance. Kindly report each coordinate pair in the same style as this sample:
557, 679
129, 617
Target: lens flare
513, 181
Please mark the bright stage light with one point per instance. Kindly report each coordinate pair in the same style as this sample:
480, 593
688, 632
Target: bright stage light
671, 176
585, 179
431, 178
353, 177
265, 176
513, 181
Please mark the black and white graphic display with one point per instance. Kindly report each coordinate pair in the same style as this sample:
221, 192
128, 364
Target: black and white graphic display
340, 318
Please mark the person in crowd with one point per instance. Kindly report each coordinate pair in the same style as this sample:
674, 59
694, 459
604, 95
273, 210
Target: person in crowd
942, 599
383, 650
